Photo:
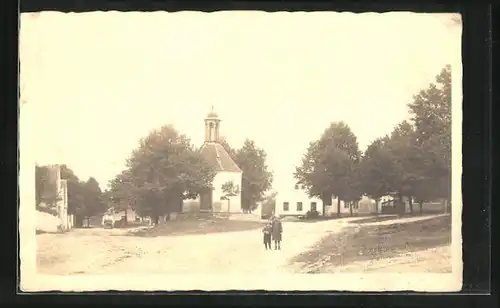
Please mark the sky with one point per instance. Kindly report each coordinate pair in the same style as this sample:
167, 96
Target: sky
98, 82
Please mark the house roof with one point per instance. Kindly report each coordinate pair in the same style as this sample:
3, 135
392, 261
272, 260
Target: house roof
215, 154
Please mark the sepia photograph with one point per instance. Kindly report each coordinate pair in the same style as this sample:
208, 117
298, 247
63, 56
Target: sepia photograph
240, 150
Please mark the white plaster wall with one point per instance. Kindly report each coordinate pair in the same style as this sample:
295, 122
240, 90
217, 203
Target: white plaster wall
292, 197
46, 222
222, 205
367, 205
333, 209
71, 221
218, 205
405, 200
191, 205
62, 204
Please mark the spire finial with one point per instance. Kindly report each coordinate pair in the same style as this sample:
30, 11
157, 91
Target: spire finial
212, 113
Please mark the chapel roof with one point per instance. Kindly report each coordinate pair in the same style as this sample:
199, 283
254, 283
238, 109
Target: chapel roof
212, 113
215, 154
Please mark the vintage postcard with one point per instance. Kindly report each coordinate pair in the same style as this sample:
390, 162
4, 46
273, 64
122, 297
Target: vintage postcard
240, 150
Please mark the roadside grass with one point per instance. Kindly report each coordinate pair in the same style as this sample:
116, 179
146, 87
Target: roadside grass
386, 217
369, 217
362, 243
197, 226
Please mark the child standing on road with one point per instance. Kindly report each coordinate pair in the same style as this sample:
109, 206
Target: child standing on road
267, 235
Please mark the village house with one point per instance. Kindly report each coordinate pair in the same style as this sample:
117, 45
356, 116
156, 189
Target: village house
57, 188
128, 216
211, 200
297, 203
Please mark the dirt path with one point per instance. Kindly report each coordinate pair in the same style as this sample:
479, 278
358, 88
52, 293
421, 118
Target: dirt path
227, 253
98, 251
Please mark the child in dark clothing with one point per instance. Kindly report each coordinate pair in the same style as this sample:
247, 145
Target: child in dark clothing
267, 235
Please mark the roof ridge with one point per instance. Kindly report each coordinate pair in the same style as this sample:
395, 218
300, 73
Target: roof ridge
217, 157
216, 154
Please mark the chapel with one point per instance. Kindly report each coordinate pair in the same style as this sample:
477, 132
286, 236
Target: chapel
226, 170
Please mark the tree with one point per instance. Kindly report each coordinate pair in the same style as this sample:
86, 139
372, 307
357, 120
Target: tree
355, 189
257, 179
376, 168
122, 194
327, 166
92, 199
406, 162
75, 192
162, 172
40, 178
227, 147
269, 204
431, 114
46, 190
229, 189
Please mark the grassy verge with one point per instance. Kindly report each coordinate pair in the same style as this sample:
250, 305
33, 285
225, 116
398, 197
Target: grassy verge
198, 226
385, 217
376, 242
328, 217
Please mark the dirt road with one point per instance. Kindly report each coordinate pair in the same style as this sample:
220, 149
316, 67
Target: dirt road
99, 251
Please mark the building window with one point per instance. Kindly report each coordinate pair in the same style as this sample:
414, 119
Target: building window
299, 206
313, 206
286, 206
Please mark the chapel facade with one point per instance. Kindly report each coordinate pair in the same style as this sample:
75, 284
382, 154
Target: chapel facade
211, 200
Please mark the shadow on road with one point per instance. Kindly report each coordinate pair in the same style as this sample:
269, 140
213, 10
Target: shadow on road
197, 226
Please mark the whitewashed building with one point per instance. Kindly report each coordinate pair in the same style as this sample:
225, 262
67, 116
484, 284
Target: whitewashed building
227, 171
297, 203
389, 199
58, 188
364, 206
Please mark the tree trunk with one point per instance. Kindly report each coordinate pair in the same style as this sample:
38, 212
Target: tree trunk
156, 219
420, 204
338, 206
228, 207
377, 201
181, 203
126, 217
410, 201
350, 208
401, 208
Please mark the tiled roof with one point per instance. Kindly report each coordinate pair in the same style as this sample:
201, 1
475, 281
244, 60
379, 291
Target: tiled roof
217, 156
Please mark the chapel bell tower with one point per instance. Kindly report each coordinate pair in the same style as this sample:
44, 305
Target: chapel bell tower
212, 124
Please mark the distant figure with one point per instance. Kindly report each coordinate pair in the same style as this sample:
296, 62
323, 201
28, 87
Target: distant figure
268, 228
277, 230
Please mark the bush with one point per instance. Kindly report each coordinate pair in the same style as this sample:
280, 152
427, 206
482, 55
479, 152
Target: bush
312, 214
